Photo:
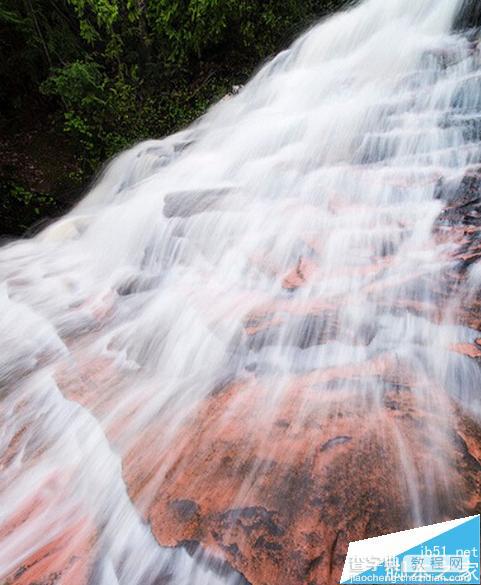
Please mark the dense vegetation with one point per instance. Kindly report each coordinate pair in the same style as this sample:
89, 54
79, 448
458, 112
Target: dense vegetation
86, 78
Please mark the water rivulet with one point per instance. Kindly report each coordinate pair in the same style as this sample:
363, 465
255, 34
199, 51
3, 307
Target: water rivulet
256, 340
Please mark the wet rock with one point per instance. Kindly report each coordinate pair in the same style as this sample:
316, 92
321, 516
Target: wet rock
188, 203
185, 509
335, 441
301, 274
67, 559
469, 16
293, 525
460, 197
467, 349
137, 284
306, 331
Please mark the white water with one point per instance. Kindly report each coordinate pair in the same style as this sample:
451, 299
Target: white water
329, 157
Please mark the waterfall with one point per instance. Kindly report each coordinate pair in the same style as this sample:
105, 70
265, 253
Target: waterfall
254, 341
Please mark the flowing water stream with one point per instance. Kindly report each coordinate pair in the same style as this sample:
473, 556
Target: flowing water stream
231, 306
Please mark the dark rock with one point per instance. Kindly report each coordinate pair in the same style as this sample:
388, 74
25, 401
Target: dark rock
185, 509
335, 441
188, 203
469, 16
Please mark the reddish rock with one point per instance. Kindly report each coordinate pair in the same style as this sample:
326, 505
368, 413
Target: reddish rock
66, 558
301, 274
281, 496
468, 349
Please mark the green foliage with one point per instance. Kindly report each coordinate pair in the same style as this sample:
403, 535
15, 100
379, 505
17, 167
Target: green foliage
21, 208
116, 71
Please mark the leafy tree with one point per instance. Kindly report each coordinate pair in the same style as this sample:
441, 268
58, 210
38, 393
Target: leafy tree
111, 72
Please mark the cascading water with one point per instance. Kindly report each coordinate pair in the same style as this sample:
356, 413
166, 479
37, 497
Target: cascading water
246, 342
